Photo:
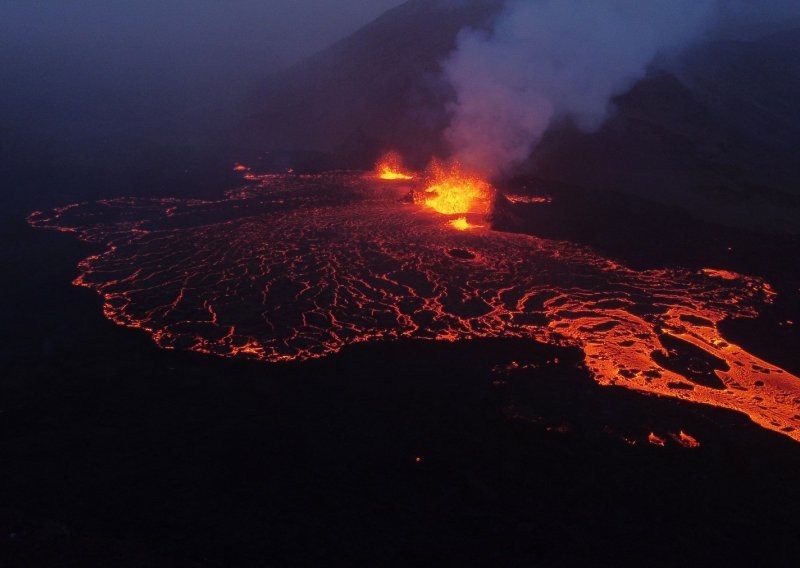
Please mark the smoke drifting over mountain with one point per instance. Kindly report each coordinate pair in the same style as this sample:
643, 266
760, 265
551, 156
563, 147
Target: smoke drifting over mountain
545, 60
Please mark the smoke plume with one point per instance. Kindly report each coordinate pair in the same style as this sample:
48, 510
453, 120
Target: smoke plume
549, 59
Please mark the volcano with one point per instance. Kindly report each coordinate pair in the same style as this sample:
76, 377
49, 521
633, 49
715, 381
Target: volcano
300, 332
712, 131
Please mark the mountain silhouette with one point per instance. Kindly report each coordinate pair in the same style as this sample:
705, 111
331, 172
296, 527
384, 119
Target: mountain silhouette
712, 130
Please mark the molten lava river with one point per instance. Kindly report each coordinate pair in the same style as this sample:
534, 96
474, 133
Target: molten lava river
292, 267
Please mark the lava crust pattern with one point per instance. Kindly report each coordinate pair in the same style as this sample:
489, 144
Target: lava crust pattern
292, 267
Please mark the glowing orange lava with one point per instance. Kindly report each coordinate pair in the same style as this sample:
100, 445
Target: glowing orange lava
686, 440
390, 167
296, 267
462, 224
452, 191
528, 199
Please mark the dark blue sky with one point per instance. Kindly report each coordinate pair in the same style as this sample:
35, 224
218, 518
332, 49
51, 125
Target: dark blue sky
186, 51
71, 69
273, 32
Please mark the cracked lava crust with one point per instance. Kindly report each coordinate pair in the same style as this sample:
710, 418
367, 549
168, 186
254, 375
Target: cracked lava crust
292, 267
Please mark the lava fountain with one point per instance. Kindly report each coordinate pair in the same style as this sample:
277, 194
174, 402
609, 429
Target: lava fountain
452, 191
390, 167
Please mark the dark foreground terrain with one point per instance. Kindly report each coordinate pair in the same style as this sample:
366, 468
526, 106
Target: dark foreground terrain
117, 453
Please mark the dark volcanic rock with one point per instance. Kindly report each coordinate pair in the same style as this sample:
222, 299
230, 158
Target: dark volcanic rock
715, 134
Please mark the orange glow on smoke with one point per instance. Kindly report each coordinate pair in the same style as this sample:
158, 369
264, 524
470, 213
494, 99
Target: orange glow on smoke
452, 191
390, 167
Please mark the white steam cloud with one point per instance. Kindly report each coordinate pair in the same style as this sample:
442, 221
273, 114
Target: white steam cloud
546, 59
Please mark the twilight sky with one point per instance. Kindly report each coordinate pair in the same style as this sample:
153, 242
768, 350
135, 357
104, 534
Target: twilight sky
78, 69
56, 54
274, 32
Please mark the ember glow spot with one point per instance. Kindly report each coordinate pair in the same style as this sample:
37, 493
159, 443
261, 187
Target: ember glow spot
686, 440
293, 267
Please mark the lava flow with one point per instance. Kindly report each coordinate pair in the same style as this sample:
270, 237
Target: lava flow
292, 267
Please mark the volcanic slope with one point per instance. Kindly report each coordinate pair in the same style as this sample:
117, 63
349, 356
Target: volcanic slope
378, 88
292, 267
712, 130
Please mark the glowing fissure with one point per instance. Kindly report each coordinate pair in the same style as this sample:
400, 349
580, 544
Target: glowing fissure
293, 267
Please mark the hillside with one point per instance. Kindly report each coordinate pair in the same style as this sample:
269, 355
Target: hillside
376, 88
713, 131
